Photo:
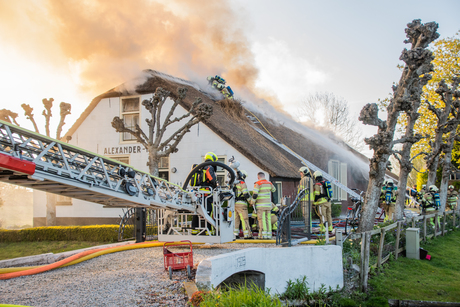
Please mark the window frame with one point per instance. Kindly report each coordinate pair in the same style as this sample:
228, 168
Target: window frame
341, 174
122, 117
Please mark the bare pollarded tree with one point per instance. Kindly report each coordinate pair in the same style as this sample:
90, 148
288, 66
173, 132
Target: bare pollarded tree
332, 113
65, 109
446, 132
8, 116
155, 141
404, 155
446, 123
417, 63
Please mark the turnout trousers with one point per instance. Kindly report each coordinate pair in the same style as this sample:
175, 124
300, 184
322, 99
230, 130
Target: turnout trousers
241, 215
265, 226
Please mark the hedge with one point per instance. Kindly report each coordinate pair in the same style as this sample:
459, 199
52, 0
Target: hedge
95, 233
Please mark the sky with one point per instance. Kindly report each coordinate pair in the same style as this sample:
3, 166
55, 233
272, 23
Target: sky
280, 51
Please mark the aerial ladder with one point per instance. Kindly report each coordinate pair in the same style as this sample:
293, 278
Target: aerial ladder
38, 162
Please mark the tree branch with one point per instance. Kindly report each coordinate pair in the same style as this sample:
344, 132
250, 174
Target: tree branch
29, 115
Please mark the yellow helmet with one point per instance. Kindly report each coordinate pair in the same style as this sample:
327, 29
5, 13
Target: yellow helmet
305, 170
210, 156
317, 174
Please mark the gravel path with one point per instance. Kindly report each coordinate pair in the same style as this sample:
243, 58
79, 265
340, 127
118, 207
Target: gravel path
128, 278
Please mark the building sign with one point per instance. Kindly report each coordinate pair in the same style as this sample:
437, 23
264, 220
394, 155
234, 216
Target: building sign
122, 150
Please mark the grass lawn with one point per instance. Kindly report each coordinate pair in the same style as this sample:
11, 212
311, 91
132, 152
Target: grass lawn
435, 280
22, 249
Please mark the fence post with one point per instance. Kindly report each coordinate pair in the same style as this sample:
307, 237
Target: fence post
382, 241
424, 228
444, 223
413, 222
398, 237
453, 217
365, 267
338, 238
436, 224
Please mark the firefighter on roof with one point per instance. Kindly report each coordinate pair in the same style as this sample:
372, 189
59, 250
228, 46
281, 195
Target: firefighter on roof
241, 207
322, 202
217, 82
227, 92
262, 198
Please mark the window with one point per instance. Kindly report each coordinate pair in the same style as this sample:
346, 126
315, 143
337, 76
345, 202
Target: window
163, 168
338, 170
278, 194
130, 116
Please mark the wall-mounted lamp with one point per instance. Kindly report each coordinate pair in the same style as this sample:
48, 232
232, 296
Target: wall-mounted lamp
173, 170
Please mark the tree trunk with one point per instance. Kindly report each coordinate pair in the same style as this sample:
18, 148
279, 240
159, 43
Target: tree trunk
402, 185
446, 167
154, 161
50, 209
434, 162
370, 206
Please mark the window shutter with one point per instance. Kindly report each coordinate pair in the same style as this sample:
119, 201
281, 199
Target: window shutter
343, 179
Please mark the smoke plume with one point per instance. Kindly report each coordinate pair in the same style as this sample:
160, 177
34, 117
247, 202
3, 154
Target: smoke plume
105, 43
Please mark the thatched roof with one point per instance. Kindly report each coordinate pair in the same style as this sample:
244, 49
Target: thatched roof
235, 124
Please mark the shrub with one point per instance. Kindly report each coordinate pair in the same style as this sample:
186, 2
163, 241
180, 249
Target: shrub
96, 233
241, 296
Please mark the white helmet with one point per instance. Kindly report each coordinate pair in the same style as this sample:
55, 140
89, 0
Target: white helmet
245, 174
451, 187
305, 170
433, 188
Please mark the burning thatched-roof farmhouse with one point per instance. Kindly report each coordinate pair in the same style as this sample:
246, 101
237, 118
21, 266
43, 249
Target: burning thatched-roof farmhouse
234, 129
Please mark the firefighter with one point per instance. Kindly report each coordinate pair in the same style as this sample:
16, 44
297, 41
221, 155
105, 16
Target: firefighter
452, 197
322, 202
208, 179
305, 183
388, 196
262, 198
216, 82
431, 202
241, 207
227, 92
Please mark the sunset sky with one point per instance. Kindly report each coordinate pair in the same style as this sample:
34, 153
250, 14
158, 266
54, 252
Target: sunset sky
281, 51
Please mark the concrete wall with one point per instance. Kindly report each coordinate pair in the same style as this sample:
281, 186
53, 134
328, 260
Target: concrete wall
320, 264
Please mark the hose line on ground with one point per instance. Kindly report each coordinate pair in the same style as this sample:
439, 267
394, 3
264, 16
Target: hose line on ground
8, 273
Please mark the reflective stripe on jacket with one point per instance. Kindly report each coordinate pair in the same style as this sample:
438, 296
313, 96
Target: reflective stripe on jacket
262, 193
242, 191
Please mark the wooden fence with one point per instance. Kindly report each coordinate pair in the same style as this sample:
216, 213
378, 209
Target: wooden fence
449, 218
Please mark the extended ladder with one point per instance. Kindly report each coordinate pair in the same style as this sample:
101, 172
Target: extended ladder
35, 161
309, 164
